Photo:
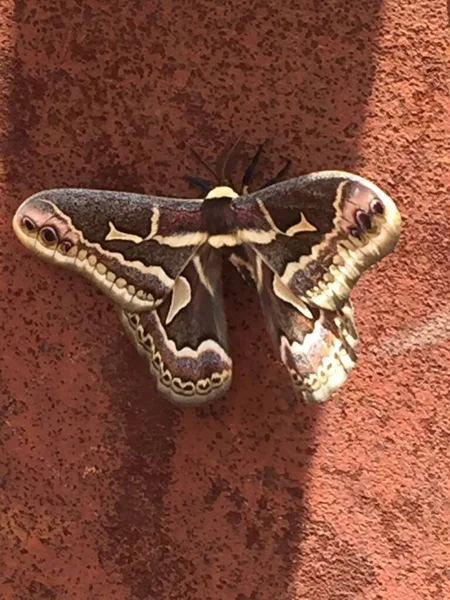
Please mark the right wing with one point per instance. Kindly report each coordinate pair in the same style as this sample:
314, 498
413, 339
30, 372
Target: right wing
317, 346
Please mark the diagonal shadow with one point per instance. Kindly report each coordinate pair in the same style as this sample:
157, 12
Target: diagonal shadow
148, 501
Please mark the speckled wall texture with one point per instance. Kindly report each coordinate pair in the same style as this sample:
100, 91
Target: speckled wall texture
108, 491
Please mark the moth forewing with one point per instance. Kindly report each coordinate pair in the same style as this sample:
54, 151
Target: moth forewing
127, 244
327, 229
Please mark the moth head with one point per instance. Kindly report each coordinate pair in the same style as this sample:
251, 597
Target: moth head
44, 229
221, 191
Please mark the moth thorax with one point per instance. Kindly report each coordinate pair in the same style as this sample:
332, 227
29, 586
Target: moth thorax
218, 216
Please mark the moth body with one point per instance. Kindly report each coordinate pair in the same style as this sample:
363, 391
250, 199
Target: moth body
219, 218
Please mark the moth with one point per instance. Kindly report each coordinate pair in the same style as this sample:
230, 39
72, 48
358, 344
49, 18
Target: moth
303, 242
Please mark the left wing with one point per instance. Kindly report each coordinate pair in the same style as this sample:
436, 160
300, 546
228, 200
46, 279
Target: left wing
320, 232
133, 247
185, 339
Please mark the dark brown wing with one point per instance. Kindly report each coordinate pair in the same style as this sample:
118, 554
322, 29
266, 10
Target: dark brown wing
185, 339
318, 347
320, 232
133, 247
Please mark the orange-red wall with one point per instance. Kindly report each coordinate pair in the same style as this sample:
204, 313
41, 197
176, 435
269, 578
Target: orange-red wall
108, 491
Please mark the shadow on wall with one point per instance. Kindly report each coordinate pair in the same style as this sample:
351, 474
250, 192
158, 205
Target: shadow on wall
201, 503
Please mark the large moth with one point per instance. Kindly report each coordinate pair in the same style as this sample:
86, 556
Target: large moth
304, 242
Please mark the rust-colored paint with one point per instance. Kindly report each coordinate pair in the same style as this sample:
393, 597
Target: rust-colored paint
108, 491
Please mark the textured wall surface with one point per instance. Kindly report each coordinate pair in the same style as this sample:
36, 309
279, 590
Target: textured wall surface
107, 491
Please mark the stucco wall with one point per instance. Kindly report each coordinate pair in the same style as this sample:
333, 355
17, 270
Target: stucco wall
108, 491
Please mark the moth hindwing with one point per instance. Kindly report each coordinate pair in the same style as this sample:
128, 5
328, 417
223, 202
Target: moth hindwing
185, 338
304, 243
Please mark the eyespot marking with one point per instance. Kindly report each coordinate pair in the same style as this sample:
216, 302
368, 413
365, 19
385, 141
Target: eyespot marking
363, 220
376, 206
66, 246
28, 224
49, 235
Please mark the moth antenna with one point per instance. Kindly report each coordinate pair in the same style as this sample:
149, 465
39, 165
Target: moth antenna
205, 164
248, 175
225, 163
203, 184
281, 173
